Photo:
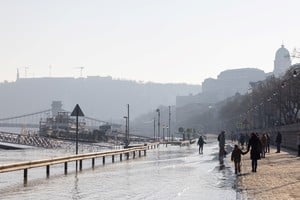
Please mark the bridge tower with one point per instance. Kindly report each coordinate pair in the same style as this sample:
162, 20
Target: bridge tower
56, 107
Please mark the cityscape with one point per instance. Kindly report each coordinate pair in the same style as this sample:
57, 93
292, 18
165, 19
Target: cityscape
149, 100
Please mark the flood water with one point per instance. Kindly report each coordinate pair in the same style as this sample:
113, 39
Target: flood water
171, 172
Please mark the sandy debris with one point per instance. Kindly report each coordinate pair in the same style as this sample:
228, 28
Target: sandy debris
277, 177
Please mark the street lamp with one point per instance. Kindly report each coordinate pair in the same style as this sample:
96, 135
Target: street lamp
154, 138
163, 127
158, 123
169, 125
280, 112
126, 131
168, 135
295, 74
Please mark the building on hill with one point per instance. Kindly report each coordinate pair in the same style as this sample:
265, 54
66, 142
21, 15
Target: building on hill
230, 82
227, 84
282, 61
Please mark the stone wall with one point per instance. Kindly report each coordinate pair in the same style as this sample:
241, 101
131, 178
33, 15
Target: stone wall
289, 135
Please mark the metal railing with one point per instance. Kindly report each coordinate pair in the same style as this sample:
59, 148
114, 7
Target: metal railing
77, 158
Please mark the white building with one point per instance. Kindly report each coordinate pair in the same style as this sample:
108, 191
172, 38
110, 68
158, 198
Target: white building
282, 61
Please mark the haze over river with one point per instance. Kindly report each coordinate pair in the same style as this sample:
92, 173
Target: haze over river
164, 173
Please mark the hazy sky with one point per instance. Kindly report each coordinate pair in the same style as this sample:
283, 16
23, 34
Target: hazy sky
151, 40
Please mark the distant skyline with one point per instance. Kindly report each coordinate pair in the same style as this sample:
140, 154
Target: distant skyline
164, 41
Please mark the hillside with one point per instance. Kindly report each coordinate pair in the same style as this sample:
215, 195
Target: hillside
100, 97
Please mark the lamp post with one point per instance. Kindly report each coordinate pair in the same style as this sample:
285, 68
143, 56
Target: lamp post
169, 125
128, 123
127, 128
154, 129
126, 131
167, 134
163, 127
158, 123
280, 98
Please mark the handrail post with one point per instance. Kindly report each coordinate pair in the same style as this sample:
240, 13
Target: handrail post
121, 156
113, 158
93, 163
103, 160
80, 165
47, 171
25, 175
66, 167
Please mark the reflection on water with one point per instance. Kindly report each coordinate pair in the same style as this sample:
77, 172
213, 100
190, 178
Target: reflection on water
165, 173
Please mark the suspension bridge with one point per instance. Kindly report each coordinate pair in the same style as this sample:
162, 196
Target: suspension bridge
32, 128
33, 120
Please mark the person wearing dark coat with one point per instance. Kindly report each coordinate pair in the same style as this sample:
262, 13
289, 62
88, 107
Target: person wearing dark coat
268, 143
255, 145
222, 152
201, 142
278, 141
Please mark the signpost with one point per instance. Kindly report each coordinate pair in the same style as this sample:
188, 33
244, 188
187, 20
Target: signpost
77, 112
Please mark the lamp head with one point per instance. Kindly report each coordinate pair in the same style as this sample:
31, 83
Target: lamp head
295, 73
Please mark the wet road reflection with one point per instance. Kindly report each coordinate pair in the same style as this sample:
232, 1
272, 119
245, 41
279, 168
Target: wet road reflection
165, 173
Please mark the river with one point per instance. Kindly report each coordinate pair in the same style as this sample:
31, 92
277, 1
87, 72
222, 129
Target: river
171, 172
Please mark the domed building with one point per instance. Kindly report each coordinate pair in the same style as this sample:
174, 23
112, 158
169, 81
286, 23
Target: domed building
282, 61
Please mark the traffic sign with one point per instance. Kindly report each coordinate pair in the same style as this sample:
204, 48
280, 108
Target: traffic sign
77, 111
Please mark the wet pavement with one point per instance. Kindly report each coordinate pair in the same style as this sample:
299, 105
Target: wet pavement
171, 172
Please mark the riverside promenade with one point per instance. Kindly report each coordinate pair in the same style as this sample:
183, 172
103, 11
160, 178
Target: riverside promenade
277, 177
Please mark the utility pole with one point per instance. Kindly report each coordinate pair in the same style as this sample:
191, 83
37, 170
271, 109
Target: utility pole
18, 74
50, 70
158, 123
81, 68
26, 68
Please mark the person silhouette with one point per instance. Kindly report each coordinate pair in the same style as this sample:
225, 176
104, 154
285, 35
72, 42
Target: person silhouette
236, 158
278, 141
255, 145
222, 153
201, 142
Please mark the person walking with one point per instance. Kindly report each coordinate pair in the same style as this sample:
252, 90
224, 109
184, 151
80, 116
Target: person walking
201, 142
221, 139
255, 145
263, 140
298, 143
268, 143
278, 141
236, 158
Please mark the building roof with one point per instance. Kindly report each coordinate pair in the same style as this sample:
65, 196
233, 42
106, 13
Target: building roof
282, 52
